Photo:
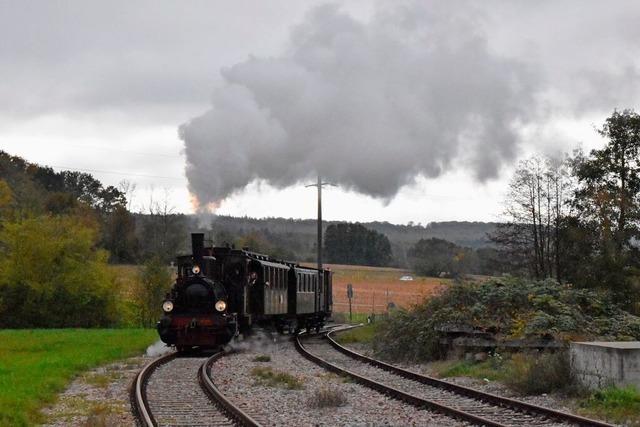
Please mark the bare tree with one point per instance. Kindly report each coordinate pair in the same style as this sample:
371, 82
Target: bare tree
163, 229
534, 207
128, 188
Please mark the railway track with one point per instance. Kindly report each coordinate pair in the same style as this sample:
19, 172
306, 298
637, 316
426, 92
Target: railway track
178, 391
463, 403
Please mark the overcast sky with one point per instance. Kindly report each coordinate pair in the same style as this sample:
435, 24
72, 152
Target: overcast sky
417, 110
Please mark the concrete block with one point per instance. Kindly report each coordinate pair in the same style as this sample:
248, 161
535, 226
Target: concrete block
600, 364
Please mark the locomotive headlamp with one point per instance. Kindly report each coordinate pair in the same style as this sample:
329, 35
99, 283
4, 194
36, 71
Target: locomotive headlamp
195, 269
221, 305
167, 306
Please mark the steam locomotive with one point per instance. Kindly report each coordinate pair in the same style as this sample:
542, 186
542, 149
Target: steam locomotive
221, 292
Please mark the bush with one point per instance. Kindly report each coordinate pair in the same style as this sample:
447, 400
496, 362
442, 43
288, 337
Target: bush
508, 308
153, 284
52, 275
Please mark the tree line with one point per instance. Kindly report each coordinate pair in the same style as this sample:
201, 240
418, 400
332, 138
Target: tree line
58, 232
577, 219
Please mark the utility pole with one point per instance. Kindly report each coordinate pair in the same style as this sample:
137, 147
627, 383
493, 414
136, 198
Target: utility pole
320, 184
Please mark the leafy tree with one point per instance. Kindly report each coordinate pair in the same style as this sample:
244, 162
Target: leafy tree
433, 257
154, 282
348, 243
6, 202
119, 236
51, 275
608, 206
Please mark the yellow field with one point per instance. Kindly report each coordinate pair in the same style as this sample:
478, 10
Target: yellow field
375, 287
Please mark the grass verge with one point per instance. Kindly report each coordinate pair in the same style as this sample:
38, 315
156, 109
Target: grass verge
35, 365
482, 370
617, 405
528, 374
363, 334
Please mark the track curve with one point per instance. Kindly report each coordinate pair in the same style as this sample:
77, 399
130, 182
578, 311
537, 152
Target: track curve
177, 390
459, 402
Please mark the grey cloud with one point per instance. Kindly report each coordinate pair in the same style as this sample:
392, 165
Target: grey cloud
369, 105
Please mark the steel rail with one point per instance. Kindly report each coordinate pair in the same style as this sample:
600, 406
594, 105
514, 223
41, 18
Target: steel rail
204, 377
395, 393
505, 402
138, 397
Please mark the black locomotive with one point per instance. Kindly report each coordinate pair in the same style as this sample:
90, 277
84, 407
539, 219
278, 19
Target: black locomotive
221, 292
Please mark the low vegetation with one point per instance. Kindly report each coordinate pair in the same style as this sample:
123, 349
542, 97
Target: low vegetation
617, 405
525, 373
507, 308
537, 373
363, 335
272, 378
262, 358
327, 398
35, 365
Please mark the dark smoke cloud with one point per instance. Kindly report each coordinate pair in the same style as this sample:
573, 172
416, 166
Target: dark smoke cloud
368, 105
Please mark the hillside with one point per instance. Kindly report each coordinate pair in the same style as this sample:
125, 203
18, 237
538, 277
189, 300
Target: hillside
300, 234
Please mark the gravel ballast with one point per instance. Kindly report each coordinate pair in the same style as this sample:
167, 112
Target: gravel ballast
297, 407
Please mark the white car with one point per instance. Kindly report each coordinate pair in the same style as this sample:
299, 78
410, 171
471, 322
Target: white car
406, 278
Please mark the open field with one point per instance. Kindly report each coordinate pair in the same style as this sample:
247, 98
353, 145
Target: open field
37, 364
375, 287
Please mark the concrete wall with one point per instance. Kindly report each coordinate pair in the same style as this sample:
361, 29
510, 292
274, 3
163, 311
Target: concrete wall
599, 364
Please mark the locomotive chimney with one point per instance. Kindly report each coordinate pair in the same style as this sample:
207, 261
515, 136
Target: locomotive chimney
197, 247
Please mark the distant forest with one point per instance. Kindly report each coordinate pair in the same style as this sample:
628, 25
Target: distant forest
133, 238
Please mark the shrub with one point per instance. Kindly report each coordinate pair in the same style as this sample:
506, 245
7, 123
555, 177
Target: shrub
52, 275
507, 308
153, 283
327, 398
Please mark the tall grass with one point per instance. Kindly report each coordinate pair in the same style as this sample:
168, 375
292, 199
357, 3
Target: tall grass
37, 364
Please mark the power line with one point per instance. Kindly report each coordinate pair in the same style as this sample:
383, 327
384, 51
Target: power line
116, 173
141, 153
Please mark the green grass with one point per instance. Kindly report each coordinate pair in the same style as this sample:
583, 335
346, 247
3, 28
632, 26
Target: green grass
271, 378
363, 334
35, 365
480, 370
618, 405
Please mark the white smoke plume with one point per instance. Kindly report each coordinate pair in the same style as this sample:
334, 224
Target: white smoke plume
157, 349
370, 105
